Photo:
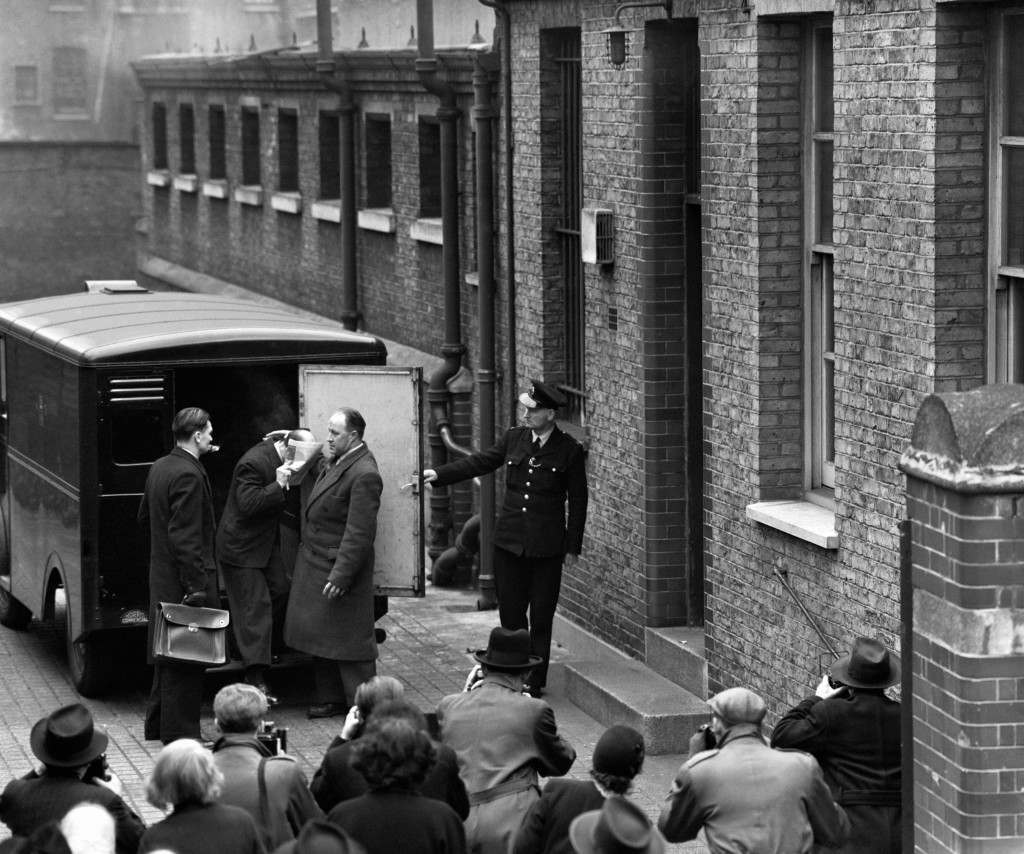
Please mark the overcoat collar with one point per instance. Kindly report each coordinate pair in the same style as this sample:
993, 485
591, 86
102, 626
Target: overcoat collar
335, 472
185, 455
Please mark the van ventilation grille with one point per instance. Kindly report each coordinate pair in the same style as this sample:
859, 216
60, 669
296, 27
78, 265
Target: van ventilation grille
137, 389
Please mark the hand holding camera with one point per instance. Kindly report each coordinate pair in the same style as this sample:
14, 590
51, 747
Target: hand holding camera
828, 687
275, 739
353, 723
702, 739
474, 678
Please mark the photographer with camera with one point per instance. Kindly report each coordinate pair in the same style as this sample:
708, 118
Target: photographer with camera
745, 795
73, 771
853, 729
271, 788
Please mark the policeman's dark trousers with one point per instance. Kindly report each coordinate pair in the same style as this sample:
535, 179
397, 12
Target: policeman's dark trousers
257, 597
175, 702
336, 681
527, 583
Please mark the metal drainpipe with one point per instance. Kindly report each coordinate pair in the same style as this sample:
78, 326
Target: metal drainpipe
501, 9
347, 166
440, 437
483, 116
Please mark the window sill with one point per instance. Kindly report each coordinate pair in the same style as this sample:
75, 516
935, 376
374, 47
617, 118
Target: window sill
801, 519
186, 183
33, 105
216, 188
76, 116
158, 178
250, 194
472, 279
427, 230
328, 210
376, 219
286, 202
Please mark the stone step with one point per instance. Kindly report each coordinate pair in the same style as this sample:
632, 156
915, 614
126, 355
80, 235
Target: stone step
628, 692
677, 653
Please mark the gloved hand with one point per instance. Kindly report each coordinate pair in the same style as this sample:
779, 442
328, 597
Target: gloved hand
196, 600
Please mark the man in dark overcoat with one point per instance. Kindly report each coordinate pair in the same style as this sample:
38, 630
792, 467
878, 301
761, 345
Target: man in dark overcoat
540, 523
249, 551
177, 512
853, 730
330, 607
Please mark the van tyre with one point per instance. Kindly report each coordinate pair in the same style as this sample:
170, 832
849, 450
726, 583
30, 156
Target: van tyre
89, 661
13, 614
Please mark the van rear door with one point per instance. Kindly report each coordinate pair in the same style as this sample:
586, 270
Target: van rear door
390, 399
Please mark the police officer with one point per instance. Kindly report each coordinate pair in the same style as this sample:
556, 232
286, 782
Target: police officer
534, 535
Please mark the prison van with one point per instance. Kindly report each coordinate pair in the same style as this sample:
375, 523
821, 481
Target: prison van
89, 384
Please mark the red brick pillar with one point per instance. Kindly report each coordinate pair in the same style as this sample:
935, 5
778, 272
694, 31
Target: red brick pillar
965, 504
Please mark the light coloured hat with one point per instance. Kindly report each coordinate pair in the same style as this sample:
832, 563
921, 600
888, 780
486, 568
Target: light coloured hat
738, 706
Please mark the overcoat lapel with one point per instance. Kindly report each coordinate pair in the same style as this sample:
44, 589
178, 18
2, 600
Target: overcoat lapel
323, 484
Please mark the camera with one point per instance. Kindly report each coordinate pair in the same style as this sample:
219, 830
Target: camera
710, 742
275, 739
97, 769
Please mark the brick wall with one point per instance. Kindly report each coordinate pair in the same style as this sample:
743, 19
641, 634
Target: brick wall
68, 215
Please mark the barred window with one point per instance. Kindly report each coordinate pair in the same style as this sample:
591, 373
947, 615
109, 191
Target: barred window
287, 151
377, 136
330, 156
69, 81
159, 123
186, 139
250, 145
430, 167
218, 143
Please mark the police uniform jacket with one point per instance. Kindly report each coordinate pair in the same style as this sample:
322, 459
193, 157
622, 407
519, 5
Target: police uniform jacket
538, 484
749, 797
289, 802
339, 527
249, 527
177, 512
855, 737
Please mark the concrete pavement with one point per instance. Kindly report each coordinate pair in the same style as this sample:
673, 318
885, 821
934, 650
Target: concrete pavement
428, 649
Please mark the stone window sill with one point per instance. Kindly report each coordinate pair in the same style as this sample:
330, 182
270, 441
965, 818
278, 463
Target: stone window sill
73, 116
158, 178
427, 230
801, 519
216, 188
377, 219
186, 183
250, 194
329, 210
286, 202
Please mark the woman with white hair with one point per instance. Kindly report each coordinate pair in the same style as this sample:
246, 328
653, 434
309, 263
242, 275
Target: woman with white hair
186, 781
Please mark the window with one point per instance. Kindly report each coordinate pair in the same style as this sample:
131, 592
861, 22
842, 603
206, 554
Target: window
250, 146
1006, 214
288, 151
819, 385
218, 147
186, 139
377, 135
26, 84
159, 136
69, 81
330, 156
430, 167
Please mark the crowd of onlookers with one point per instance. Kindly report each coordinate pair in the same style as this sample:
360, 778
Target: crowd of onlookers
828, 777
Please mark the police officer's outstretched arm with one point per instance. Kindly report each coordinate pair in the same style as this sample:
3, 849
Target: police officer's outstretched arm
482, 462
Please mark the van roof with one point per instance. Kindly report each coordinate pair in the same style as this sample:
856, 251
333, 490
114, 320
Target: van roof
98, 328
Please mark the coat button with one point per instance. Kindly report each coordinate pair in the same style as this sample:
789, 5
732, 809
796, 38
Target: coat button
527, 483
526, 497
524, 509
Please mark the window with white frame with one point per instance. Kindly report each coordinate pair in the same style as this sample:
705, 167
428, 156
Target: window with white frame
26, 84
819, 337
1006, 207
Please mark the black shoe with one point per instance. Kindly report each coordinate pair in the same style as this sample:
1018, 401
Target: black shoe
535, 691
326, 710
380, 635
271, 698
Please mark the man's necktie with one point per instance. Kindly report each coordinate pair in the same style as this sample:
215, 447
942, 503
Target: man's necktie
535, 447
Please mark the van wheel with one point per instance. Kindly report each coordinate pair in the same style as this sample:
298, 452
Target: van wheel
89, 661
13, 614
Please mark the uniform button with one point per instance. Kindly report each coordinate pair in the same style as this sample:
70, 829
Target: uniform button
526, 497
527, 483
524, 509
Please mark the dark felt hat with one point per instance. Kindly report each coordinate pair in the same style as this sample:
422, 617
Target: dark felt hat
508, 649
321, 837
67, 738
542, 396
619, 827
868, 665
619, 752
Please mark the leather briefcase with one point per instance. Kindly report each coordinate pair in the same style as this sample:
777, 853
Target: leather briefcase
190, 635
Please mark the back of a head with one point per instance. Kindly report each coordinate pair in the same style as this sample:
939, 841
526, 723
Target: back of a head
618, 758
379, 689
322, 837
89, 829
393, 753
401, 710
184, 773
239, 708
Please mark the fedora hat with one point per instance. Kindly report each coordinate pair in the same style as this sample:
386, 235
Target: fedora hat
67, 738
868, 665
619, 827
508, 649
